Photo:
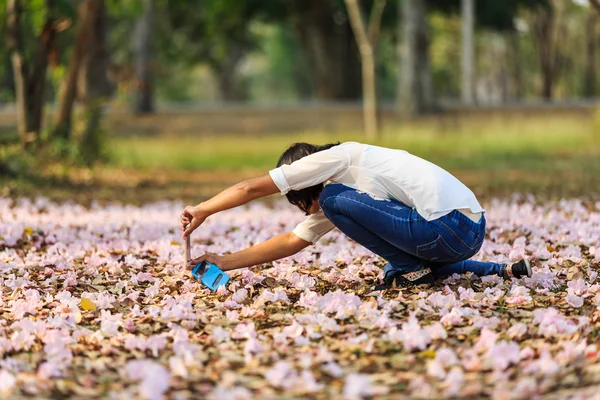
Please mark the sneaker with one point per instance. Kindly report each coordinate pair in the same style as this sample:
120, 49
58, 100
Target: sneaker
518, 270
399, 280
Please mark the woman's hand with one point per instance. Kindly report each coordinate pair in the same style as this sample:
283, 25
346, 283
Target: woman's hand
236, 195
191, 218
219, 261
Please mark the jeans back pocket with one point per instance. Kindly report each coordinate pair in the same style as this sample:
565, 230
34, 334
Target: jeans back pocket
438, 251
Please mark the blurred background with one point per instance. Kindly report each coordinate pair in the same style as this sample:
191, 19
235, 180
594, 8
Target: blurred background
144, 100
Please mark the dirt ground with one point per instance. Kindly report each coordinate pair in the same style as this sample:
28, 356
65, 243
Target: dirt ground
129, 186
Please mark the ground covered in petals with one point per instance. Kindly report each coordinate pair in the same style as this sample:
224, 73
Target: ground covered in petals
96, 302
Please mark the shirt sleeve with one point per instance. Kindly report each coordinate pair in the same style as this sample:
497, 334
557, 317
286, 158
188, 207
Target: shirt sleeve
313, 228
310, 170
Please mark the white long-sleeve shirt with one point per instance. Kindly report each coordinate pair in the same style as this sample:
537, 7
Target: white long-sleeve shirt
381, 172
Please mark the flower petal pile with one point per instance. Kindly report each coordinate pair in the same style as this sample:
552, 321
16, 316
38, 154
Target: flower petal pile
96, 302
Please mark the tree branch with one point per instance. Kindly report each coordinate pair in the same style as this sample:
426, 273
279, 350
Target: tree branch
596, 4
375, 21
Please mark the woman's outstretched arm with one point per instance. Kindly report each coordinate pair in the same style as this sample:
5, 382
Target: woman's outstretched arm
277, 247
237, 195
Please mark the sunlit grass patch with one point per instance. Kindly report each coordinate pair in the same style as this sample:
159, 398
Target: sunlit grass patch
494, 143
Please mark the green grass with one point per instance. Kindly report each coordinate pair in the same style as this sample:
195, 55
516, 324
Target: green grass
551, 157
534, 144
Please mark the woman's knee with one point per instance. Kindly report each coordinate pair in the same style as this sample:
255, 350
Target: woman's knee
328, 194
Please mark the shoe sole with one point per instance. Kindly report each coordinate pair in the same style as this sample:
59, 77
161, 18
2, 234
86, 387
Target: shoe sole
404, 285
528, 265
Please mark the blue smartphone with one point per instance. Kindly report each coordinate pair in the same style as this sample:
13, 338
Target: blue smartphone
210, 275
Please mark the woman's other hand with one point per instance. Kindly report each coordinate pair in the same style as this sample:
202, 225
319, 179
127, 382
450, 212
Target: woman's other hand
191, 218
219, 261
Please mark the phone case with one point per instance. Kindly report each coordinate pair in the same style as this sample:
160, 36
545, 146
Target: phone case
210, 275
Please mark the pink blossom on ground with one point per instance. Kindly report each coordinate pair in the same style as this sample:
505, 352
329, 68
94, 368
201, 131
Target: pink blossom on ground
502, 354
177, 367
308, 299
552, 323
48, 370
573, 300
453, 318
572, 252
235, 393
278, 373
7, 382
302, 282
544, 365
492, 279
421, 389
358, 386
144, 277
438, 300
240, 295
251, 348
153, 377
128, 261
110, 323
572, 351
232, 316
466, 294
527, 387
542, 279
277, 295
486, 340
155, 343
244, 331
333, 369
435, 331
454, 381
471, 360
219, 334
518, 295
444, 358
517, 330
292, 331
578, 287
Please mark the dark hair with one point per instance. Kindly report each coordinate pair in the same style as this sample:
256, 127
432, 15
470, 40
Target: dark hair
302, 198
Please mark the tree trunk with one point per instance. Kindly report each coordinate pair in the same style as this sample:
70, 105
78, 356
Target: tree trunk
517, 65
589, 90
230, 85
68, 91
329, 48
143, 96
468, 71
93, 84
8, 82
369, 95
415, 89
544, 29
30, 78
366, 43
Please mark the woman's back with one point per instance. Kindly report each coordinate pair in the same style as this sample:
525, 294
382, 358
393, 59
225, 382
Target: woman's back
384, 174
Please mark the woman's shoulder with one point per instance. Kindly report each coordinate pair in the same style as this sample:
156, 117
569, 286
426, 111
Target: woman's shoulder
353, 145
353, 150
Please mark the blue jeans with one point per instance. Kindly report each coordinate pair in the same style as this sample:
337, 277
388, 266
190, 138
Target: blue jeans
406, 240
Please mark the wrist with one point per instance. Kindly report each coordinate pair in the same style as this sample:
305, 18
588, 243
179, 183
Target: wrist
228, 262
201, 211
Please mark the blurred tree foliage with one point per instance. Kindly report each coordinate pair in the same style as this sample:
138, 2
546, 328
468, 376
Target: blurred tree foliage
219, 34
256, 50
253, 49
